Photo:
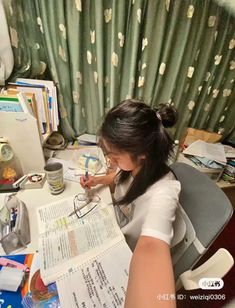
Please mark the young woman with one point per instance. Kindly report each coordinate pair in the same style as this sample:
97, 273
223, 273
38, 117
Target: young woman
146, 196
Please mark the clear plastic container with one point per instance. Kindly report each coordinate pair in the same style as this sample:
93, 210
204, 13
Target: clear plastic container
10, 171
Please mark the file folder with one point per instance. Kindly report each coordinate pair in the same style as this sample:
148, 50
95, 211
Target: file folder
21, 130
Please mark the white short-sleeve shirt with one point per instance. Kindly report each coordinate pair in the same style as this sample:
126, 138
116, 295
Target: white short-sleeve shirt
151, 214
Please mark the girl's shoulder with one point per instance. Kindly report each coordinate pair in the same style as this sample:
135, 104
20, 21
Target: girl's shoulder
168, 183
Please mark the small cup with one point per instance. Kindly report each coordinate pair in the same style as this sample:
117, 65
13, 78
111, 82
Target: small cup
54, 172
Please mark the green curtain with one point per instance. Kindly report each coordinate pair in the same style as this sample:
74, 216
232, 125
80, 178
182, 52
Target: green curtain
100, 52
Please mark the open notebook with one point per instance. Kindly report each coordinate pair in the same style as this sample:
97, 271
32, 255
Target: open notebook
88, 257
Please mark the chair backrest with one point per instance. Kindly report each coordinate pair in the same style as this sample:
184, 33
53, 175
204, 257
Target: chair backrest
207, 208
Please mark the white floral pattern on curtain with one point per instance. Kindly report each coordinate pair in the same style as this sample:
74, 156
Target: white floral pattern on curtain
101, 52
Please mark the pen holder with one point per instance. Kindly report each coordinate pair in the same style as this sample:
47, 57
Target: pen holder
14, 223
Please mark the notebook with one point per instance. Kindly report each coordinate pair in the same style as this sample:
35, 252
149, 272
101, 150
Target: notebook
98, 282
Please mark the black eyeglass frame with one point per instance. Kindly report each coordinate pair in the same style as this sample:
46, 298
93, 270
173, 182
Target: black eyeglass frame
75, 200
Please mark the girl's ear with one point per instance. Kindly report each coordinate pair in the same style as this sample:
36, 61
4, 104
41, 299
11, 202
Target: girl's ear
142, 157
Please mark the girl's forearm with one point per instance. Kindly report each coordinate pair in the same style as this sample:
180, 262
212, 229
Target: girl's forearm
106, 179
150, 276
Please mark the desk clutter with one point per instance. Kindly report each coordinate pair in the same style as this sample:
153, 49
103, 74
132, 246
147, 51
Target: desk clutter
10, 167
31, 181
25, 289
209, 158
83, 140
14, 225
229, 172
77, 162
54, 173
85, 232
214, 159
88, 268
29, 108
37, 97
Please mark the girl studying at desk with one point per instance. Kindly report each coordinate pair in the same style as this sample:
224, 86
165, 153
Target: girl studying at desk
146, 196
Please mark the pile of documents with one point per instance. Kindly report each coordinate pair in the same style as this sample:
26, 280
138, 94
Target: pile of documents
83, 140
207, 153
38, 97
207, 157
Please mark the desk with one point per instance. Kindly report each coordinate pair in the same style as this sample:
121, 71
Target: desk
34, 198
75, 285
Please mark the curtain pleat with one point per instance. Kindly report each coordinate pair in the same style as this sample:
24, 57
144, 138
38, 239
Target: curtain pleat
179, 52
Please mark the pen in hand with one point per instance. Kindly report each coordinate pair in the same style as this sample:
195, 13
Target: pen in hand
86, 187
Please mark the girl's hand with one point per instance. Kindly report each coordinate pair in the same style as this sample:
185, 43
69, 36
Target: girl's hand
96, 180
90, 182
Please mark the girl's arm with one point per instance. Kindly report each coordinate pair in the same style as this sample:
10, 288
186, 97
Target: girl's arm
151, 280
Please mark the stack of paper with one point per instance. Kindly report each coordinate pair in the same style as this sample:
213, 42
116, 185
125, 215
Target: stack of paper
229, 151
211, 151
87, 139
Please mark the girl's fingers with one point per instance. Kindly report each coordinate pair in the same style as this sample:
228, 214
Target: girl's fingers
87, 182
82, 181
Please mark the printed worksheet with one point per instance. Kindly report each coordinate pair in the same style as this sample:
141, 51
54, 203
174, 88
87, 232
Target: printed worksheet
67, 240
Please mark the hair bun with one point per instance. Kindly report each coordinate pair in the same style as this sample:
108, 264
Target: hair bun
168, 114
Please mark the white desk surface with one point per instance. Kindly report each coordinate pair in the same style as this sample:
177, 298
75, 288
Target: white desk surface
34, 198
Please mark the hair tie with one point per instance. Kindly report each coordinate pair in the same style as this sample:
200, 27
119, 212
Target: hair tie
158, 116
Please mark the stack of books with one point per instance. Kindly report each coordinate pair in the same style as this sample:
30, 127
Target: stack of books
37, 97
28, 115
229, 172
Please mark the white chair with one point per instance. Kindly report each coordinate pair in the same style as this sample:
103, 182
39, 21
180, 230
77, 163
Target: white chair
205, 212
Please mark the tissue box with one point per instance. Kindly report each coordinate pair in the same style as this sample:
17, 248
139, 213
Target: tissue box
89, 162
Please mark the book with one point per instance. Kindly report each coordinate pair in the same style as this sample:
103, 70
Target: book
40, 97
72, 249
33, 104
98, 282
38, 294
24, 103
10, 104
13, 299
33, 293
52, 97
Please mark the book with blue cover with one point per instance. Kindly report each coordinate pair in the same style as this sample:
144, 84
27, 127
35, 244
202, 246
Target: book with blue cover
13, 299
33, 293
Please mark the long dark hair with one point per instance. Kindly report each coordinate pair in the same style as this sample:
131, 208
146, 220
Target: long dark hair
136, 128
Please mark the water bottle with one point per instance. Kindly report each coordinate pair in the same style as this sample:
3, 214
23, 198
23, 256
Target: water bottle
174, 154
